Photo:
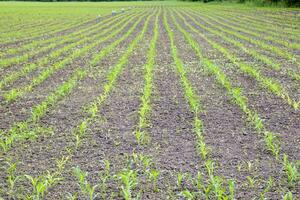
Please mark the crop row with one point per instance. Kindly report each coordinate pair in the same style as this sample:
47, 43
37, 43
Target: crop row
141, 135
47, 180
51, 29
15, 93
264, 81
83, 29
271, 34
233, 31
17, 131
259, 20
272, 143
252, 52
43, 62
50, 44
215, 186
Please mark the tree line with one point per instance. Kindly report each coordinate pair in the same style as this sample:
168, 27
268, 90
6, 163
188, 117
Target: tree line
288, 3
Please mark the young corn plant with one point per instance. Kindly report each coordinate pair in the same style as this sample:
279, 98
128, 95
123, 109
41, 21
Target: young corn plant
291, 171
80, 132
87, 189
129, 181
12, 178
61, 163
288, 196
180, 177
187, 194
104, 177
272, 143
41, 184
231, 187
267, 188
154, 175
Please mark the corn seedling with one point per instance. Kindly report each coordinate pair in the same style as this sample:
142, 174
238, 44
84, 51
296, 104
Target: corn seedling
288, 196
272, 143
104, 177
88, 190
267, 188
154, 175
187, 194
251, 181
12, 178
41, 184
129, 181
180, 177
291, 171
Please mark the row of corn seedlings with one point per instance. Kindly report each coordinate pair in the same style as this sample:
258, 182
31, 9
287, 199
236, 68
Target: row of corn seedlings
145, 108
53, 27
59, 39
21, 25
38, 185
21, 131
232, 31
54, 42
49, 32
265, 82
262, 25
86, 188
138, 169
44, 61
272, 142
264, 59
15, 93
254, 33
216, 184
112, 77
260, 18
23, 127
269, 35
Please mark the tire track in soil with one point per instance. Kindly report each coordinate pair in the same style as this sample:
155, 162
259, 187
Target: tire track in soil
115, 125
39, 156
17, 111
232, 141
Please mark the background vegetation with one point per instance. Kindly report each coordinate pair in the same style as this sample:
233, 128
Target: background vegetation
277, 3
